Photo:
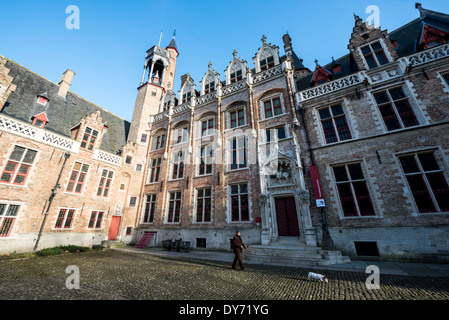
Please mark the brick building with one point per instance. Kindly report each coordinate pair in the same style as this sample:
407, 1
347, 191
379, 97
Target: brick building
244, 151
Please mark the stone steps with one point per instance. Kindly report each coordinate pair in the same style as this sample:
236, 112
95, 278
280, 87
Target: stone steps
293, 253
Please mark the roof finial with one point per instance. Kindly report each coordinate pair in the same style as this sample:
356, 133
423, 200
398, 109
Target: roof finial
174, 33
264, 38
210, 65
234, 53
316, 61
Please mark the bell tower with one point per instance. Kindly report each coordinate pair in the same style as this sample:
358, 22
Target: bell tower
158, 76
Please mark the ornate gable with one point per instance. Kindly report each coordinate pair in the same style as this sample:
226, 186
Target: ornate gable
267, 56
236, 70
320, 75
210, 81
432, 36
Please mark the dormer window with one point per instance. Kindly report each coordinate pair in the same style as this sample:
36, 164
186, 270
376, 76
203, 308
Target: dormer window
336, 69
374, 55
40, 120
236, 76
42, 99
89, 139
209, 87
432, 37
266, 63
207, 127
186, 97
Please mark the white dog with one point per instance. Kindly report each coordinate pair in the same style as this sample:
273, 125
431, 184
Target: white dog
316, 276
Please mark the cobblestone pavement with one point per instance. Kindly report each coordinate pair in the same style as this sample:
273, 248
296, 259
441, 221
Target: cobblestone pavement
115, 275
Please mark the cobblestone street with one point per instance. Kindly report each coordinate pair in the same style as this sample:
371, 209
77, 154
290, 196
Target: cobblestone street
115, 275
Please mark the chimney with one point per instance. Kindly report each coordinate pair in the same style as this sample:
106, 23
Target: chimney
65, 83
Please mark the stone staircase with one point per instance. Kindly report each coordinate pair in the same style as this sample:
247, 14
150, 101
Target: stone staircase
291, 252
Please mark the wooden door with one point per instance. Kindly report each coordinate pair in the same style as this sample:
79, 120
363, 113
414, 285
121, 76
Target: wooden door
113, 229
287, 218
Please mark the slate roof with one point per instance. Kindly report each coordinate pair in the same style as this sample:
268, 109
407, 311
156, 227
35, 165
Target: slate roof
63, 113
407, 38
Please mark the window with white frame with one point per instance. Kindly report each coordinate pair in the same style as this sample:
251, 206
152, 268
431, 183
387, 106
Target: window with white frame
181, 135
89, 138
236, 118
96, 219
237, 156
209, 87
155, 169
395, 108
65, 218
150, 208
266, 63
235, 76
105, 183
203, 205
186, 97
174, 206
205, 160
272, 107
426, 180
159, 141
334, 124
207, 127
353, 190
77, 177
8, 215
239, 202
177, 165
374, 55
18, 166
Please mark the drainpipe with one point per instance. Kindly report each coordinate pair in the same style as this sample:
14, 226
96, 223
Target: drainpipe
54, 191
326, 242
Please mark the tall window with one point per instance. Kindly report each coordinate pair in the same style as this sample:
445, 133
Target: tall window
236, 76
374, 55
8, 214
272, 107
238, 154
181, 135
239, 202
77, 177
150, 207
65, 218
237, 118
207, 127
96, 218
206, 160
395, 109
178, 165
174, 206
209, 87
105, 183
335, 127
18, 166
266, 63
159, 141
89, 139
203, 204
426, 181
155, 169
353, 190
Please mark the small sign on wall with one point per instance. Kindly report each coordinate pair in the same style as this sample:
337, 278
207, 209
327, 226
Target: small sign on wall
317, 187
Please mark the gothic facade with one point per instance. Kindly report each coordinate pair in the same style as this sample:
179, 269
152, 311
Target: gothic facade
352, 155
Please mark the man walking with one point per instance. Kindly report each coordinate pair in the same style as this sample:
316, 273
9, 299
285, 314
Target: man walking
238, 247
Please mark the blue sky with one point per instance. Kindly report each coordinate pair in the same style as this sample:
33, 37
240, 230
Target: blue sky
107, 52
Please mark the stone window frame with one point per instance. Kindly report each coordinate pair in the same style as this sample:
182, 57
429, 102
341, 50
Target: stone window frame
10, 233
151, 204
167, 207
444, 168
95, 220
151, 168
414, 105
229, 150
159, 144
236, 109
272, 96
229, 202
442, 75
347, 117
176, 160
195, 205
19, 163
102, 196
88, 141
64, 219
85, 180
198, 160
385, 52
366, 179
